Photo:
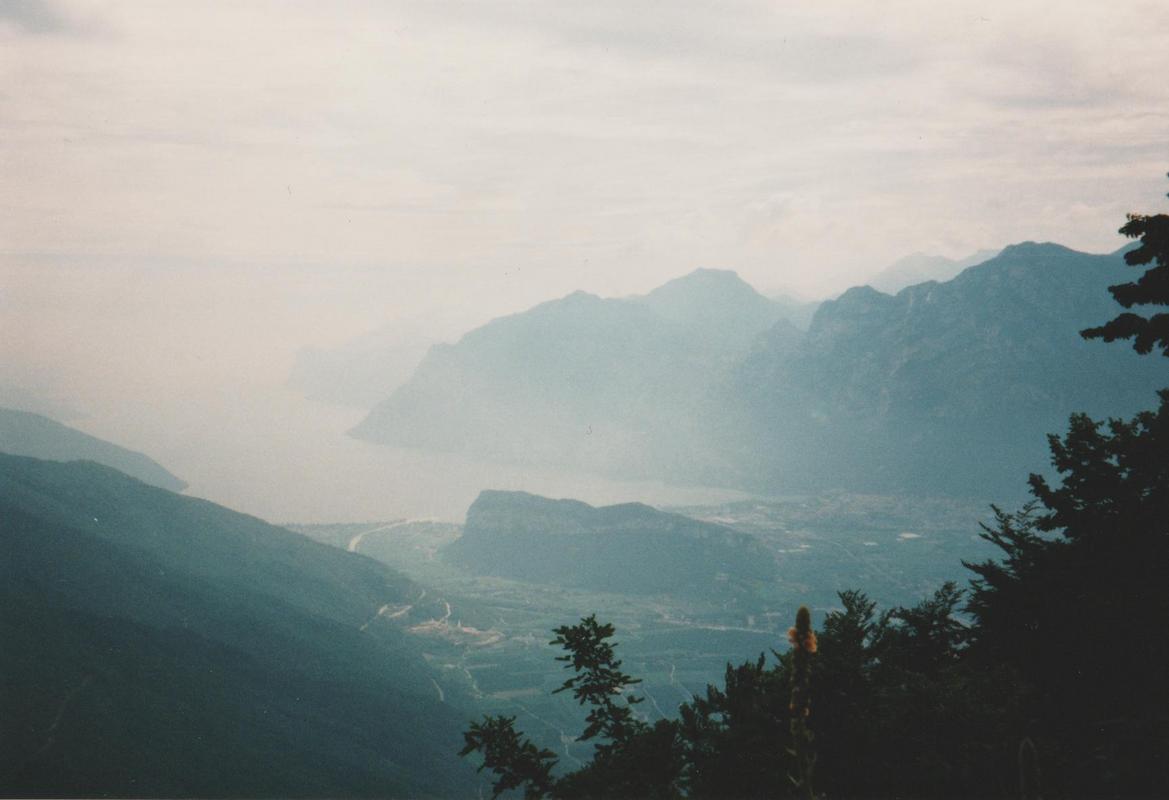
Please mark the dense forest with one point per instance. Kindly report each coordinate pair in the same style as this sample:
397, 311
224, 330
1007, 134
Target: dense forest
1044, 677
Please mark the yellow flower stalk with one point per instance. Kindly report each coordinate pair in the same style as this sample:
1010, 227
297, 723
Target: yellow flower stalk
804, 645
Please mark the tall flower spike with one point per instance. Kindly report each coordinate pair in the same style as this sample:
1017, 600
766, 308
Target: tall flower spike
803, 641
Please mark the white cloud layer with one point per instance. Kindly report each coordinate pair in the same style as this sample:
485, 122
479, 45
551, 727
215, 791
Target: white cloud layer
604, 145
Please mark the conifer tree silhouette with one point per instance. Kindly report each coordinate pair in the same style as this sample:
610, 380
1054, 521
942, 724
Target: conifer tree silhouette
1152, 288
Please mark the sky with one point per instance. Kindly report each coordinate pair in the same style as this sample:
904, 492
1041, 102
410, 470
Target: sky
191, 192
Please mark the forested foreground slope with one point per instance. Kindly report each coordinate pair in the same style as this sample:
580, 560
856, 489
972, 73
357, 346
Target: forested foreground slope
158, 645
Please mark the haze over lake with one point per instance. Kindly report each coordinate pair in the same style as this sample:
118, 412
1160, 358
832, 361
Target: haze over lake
285, 458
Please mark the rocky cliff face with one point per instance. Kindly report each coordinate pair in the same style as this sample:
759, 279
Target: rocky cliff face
944, 385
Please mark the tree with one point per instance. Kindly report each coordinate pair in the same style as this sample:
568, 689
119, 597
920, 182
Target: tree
1078, 605
896, 709
736, 736
1152, 288
632, 759
598, 682
516, 762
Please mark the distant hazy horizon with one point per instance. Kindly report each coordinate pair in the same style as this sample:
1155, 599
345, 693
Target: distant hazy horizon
193, 194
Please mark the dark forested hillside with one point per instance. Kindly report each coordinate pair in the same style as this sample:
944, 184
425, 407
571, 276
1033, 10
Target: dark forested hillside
162, 645
624, 548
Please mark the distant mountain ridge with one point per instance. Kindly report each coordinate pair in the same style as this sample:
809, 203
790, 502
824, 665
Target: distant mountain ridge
945, 387
720, 309
921, 267
23, 433
601, 384
629, 548
797, 311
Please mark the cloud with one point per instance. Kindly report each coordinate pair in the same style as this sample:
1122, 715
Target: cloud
31, 16
34, 17
642, 140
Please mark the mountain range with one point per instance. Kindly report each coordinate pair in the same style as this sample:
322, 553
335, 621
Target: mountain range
160, 645
945, 386
604, 384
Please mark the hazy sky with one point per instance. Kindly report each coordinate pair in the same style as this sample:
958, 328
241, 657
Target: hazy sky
191, 191
608, 145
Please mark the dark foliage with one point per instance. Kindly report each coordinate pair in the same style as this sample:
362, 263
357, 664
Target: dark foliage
632, 759
1152, 288
892, 711
725, 731
1078, 606
154, 645
598, 680
516, 762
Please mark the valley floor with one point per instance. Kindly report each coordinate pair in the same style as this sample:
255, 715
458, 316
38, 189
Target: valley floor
489, 637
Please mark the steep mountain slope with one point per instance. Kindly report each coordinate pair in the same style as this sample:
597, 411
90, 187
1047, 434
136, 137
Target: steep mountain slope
23, 433
161, 645
628, 548
945, 386
616, 385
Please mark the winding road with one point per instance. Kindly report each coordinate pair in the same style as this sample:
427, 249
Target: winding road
384, 611
355, 542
